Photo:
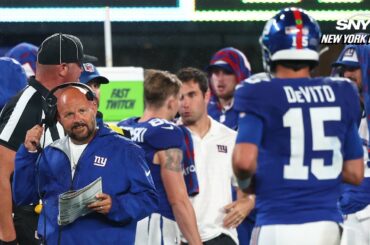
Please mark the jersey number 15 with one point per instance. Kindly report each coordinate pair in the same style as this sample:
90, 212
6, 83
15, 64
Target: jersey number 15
293, 119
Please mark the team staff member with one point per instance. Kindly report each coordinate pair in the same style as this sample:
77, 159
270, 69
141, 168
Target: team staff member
86, 153
58, 61
217, 215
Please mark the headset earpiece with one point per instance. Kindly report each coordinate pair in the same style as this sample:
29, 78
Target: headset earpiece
51, 101
90, 95
50, 110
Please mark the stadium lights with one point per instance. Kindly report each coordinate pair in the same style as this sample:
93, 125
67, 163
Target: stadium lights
184, 11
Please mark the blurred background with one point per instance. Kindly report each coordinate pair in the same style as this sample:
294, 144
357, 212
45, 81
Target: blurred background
164, 34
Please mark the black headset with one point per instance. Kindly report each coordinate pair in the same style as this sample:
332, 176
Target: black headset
51, 102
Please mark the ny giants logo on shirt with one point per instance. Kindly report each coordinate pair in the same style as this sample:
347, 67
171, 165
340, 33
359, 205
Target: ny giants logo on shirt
100, 161
222, 148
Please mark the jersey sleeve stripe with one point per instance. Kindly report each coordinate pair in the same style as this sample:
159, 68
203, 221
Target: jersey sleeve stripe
16, 115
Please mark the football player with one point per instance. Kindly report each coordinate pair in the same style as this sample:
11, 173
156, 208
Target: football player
303, 131
163, 143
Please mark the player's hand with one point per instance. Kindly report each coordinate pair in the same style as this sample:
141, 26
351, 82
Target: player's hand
237, 211
102, 205
33, 136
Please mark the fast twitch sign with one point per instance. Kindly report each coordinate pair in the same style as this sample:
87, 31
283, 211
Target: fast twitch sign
123, 96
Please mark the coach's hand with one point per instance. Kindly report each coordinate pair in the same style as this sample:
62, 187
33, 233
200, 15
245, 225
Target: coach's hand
102, 205
33, 136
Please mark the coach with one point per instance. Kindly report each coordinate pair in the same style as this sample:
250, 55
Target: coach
58, 61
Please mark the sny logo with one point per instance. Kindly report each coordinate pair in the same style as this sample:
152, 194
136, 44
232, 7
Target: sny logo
100, 161
222, 148
355, 23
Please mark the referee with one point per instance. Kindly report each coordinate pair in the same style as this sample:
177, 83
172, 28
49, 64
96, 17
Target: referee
59, 61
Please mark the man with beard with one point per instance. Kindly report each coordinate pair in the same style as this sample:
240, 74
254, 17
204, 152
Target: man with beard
59, 61
83, 155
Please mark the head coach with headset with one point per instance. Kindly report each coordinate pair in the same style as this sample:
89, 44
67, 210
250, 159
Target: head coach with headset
59, 61
86, 153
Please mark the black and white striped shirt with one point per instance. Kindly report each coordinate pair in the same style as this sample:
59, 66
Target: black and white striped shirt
21, 113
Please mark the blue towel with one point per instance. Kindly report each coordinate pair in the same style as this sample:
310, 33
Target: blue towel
190, 174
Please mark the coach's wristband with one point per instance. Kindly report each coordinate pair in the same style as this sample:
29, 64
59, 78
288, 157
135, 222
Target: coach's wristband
244, 183
14, 242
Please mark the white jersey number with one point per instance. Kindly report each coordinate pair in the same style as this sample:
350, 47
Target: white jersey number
296, 169
156, 122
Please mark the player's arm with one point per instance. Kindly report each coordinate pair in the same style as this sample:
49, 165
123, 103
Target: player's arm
173, 181
246, 149
353, 171
7, 231
245, 160
353, 166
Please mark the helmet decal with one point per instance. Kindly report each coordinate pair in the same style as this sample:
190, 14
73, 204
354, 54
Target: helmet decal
290, 35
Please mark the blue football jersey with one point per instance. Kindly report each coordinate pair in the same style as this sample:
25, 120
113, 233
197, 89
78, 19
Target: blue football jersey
356, 198
308, 125
156, 135
228, 117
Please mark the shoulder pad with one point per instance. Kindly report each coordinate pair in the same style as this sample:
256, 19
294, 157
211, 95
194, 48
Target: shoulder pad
163, 134
259, 77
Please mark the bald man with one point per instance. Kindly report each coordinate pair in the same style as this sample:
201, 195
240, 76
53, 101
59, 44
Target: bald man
58, 61
83, 155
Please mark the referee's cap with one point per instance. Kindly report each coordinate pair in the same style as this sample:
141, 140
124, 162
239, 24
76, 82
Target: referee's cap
90, 73
62, 48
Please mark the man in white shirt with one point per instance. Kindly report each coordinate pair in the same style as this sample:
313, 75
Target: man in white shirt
217, 216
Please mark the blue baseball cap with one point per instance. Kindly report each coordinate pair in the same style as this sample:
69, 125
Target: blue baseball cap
348, 58
12, 80
90, 72
26, 54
